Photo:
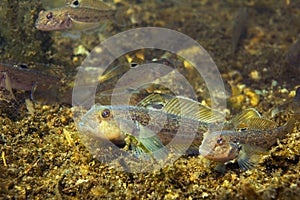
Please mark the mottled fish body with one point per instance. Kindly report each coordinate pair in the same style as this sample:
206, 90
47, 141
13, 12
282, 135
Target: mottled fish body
251, 136
168, 123
79, 17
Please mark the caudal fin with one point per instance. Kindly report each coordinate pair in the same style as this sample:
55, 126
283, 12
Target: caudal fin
296, 104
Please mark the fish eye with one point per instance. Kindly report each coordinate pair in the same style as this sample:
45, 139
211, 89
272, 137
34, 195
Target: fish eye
234, 141
134, 65
49, 15
220, 140
75, 4
105, 114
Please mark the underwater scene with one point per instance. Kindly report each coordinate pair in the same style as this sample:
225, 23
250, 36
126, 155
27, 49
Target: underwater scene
154, 99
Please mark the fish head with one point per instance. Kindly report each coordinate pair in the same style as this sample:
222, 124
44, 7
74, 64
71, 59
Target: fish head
218, 147
99, 123
54, 19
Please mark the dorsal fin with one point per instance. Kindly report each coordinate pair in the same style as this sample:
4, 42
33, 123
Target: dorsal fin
189, 108
260, 124
152, 99
241, 119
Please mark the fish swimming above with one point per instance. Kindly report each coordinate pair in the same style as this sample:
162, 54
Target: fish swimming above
251, 136
239, 27
170, 124
293, 55
76, 15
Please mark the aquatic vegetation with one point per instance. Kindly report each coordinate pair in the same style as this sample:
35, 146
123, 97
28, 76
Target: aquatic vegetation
41, 161
20, 41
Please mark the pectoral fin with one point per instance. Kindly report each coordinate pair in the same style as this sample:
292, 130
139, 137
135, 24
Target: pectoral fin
147, 144
249, 156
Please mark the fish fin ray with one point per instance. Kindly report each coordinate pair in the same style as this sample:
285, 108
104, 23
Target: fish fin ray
220, 167
151, 144
249, 156
189, 108
152, 99
242, 118
260, 124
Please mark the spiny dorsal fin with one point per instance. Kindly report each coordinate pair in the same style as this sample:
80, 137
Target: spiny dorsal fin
240, 120
260, 124
152, 99
189, 108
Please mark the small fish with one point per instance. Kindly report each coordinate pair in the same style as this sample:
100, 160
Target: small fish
23, 78
291, 105
239, 27
113, 75
76, 15
293, 55
44, 87
252, 136
157, 117
99, 123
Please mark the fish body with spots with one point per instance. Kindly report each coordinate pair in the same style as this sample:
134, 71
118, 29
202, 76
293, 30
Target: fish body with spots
177, 123
251, 136
76, 15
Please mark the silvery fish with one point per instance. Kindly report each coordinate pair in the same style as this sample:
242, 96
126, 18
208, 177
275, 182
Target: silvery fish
251, 136
76, 15
157, 122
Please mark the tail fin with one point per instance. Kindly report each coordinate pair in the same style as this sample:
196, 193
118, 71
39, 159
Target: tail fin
120, 17
289, 126
296, 104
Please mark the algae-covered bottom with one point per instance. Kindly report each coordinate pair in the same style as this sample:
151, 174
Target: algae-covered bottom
43, 158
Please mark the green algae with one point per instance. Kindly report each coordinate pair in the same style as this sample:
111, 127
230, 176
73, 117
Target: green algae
21, 42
